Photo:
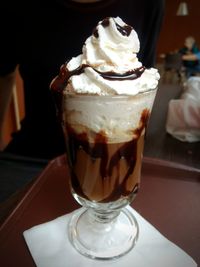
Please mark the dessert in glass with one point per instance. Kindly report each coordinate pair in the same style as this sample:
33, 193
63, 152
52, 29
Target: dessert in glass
104, 98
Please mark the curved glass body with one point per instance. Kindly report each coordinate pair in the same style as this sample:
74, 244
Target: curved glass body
104, 140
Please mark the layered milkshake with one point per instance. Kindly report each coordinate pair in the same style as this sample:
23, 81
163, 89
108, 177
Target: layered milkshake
104, 98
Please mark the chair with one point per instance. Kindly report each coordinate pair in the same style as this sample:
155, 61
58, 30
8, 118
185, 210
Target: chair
173, 65
10, 111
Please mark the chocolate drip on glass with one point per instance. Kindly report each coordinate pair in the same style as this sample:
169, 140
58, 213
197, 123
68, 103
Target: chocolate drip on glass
99, 150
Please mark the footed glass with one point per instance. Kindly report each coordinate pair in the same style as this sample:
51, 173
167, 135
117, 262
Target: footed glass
104, 140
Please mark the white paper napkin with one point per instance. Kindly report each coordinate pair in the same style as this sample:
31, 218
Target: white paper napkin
50, 247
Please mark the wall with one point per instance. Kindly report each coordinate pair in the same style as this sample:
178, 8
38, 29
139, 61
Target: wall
176, 28
10, 120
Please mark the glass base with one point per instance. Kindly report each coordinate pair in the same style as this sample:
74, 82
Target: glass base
103, 236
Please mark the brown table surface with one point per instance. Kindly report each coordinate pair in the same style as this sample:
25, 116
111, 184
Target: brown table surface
169, 199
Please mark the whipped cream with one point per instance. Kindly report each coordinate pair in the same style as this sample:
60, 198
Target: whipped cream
115, 117
108, 64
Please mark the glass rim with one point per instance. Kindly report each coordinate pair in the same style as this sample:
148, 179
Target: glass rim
121, 96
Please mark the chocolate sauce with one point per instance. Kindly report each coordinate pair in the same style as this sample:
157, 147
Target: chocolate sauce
129, 75
60, 82
105, 22
124, 30
99, 150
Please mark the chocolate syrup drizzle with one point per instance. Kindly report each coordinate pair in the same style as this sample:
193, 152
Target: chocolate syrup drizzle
128, 75
124, 30
61, 81
128, 151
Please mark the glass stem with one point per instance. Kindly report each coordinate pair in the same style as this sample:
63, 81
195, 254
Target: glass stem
103, 217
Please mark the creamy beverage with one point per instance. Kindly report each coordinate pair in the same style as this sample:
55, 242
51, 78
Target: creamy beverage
105, 164
104, 98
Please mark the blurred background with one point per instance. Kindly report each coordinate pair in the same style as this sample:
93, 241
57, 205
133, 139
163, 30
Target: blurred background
180, 21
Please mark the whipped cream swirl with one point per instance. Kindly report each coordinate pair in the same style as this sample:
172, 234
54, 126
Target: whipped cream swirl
108, 64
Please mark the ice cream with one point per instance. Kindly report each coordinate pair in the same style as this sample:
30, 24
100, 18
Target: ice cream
105, 96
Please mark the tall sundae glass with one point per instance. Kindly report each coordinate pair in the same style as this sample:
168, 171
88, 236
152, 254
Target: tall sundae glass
104, 98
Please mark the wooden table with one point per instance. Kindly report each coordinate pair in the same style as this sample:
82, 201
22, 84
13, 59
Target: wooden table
169, 199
